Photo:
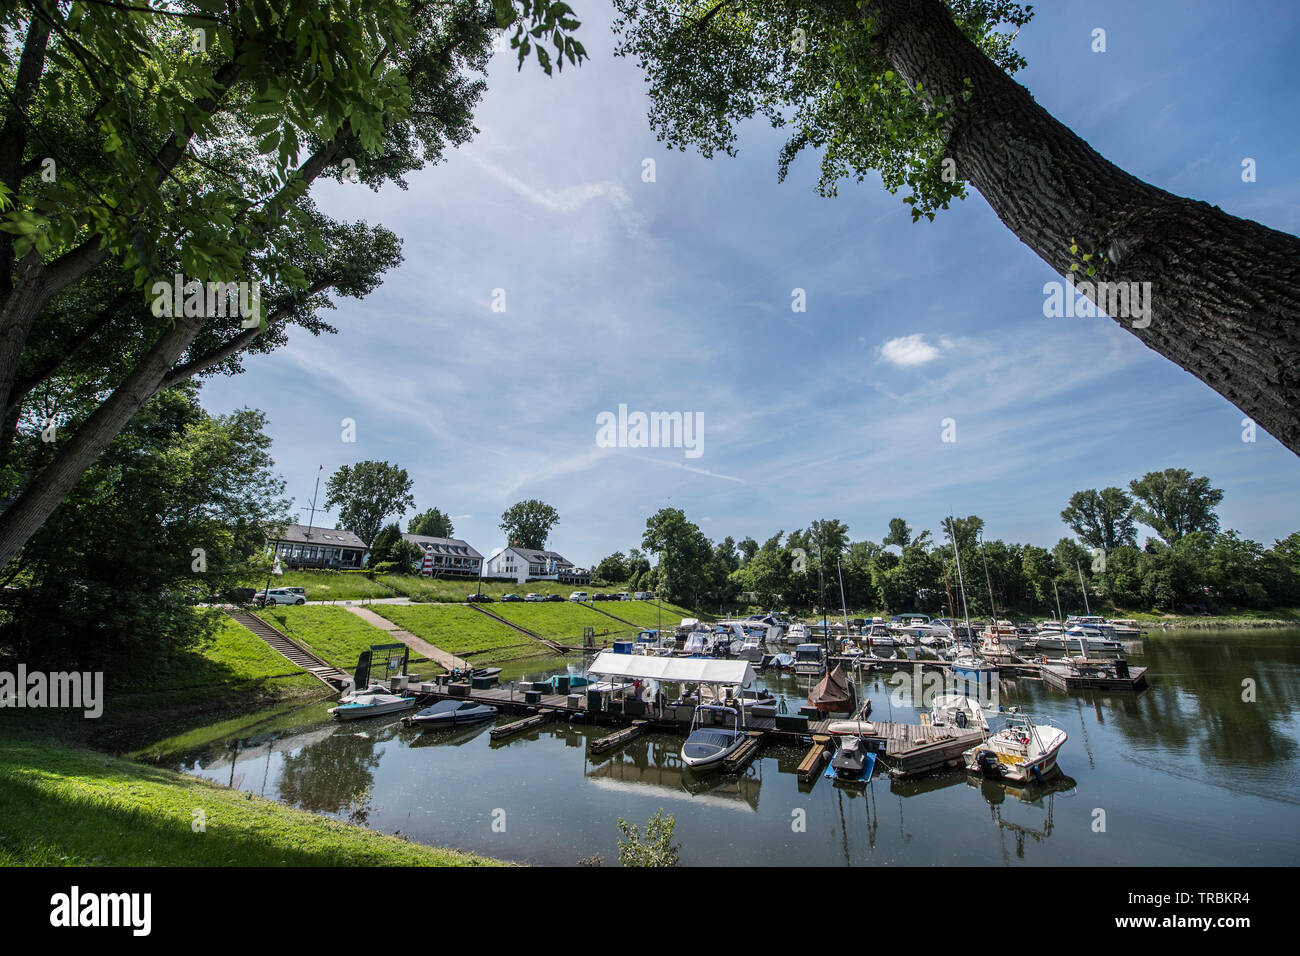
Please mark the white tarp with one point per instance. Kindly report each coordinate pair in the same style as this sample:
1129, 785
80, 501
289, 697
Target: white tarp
689, 670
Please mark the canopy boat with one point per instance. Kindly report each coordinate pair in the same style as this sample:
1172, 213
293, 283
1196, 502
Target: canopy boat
833, 692
374, 701
957, 711
1021, 751
449, 713
708, 744
853, 761
796, 633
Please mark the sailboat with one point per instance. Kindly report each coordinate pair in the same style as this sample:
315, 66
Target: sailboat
967, 664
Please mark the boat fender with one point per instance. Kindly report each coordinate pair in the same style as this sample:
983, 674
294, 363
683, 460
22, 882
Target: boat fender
961, 719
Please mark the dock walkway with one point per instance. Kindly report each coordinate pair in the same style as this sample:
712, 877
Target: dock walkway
418, 644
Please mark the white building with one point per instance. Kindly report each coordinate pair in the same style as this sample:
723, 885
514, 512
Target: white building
527, 564
447, 556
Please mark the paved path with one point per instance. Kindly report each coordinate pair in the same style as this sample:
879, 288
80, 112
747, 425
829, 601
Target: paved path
449, 661
364, 601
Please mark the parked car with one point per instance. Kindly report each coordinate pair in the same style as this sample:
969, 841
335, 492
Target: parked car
623, 596
600, 597
302, 591
478, 599
278, 596
535, 597
644, 595
510, 597
554, 597
580, 596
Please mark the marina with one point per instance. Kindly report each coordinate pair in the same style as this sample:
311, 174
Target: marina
562, 790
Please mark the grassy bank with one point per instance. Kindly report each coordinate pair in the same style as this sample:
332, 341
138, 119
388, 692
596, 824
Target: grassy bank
66, 807
327, 585
334, 633
457, 629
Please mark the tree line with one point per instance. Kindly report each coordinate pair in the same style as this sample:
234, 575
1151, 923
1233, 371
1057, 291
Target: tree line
1188, 561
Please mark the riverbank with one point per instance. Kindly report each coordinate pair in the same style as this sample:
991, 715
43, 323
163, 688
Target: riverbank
61, 806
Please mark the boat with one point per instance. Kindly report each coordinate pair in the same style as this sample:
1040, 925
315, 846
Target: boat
1125, 628
971, 667
797, 633
374, 701
449, 713
833, 692
1073, 641
782, 662
853, 761
879, 635
1000, 639
850, 648
957, 711
809, 659
708, 744
1020, 752
856, 728
477, 673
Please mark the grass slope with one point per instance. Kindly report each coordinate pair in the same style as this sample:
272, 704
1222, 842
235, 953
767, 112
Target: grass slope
562, 622
64, 807
327, 585
333, 633
455, 628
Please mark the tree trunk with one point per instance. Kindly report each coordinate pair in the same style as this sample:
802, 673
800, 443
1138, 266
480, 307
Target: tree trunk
1225, 292
22, 519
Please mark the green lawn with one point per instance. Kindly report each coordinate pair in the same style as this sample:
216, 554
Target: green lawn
646, 613
455, 590
327, 585
333, 633
562, 622
65, 807
454, 628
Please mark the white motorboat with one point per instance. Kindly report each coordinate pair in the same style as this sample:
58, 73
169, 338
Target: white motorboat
1073, 642
855, 728
451, 713
797, 633
374, 701
879, 635
709, 744
971, 667
957, 711
1021, 751
1001, 638
1126, 629
809, 659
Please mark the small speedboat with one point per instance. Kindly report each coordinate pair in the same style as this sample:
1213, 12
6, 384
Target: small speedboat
374, 701
477, 673
449, 713
1021, 751
708, 744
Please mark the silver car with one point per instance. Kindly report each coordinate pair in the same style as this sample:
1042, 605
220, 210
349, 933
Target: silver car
279, 596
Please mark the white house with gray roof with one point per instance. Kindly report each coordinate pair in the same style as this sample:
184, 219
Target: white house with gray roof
529, 564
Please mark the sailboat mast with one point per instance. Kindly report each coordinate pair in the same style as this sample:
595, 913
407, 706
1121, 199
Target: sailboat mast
1084, 587
961, 580
993, 614
843, 604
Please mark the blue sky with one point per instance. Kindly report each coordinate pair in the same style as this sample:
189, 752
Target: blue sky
676, 295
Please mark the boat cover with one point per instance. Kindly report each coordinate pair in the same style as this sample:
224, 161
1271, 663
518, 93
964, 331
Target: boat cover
689, 670
832, 693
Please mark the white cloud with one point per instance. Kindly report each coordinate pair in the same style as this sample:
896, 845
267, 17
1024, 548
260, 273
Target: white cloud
909, 351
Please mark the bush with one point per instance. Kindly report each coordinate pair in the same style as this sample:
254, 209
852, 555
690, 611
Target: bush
655, 849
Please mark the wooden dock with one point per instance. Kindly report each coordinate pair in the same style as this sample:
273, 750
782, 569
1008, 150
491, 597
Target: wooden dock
618, 738
811, 764
747, 752
1061, 677
518, 726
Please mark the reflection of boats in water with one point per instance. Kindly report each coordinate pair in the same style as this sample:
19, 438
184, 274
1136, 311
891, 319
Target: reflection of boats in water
1041, 796
448, 736
651, 767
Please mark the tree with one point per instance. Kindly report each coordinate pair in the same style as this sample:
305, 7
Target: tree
137, 146
366, 493
168, 517
612, 569
921, 91
684, 553
528, 524
1174, 504
433, 523
655, 848
1102, 519
381, 548
899, 533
